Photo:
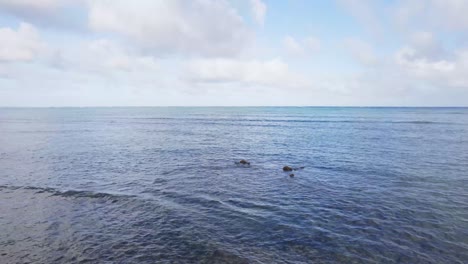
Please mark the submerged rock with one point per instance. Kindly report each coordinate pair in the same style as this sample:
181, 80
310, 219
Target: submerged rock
291, 175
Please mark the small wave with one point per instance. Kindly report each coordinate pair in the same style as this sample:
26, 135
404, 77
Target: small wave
250, 205
420, 122
273, 122
223, 256
89, 194
67, 193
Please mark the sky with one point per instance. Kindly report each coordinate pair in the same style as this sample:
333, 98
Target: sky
233, 53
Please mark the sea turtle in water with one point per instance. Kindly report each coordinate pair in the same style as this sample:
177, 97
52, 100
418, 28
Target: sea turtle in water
244, 162
287, 168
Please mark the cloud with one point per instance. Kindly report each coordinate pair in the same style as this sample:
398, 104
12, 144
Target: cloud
113, 56
32, 5
312, 43
85, 62
192, 49
451, 13
437, 14
102, 57
85, 72
23, 44
361, 51
426, 45
63, 14
366, 13
270, 73
409, 77
408, 58
298, 48
422, 63
199, 27
292, 46
439, 73
259, 10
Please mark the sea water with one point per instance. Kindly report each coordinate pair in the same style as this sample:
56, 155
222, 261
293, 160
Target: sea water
161, 185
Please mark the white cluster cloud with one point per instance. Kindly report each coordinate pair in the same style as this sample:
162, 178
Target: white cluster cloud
421, 63
407, 50
438, 72
199, 27
440, 14
273, 73
23, 44
104, 55
422, 67
383, 20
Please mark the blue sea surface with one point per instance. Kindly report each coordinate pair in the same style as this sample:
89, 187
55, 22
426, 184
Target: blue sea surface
161, 185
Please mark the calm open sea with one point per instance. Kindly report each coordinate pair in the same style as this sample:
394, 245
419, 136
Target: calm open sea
146, 185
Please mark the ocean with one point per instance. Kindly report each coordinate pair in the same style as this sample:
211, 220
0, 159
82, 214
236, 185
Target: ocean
161, 185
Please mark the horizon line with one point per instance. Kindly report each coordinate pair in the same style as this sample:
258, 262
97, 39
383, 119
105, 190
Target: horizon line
241, 106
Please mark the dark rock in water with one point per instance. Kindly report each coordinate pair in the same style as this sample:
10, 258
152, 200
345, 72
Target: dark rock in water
244, 162
291, 175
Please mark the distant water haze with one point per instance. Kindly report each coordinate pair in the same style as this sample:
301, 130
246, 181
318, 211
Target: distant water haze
146, 185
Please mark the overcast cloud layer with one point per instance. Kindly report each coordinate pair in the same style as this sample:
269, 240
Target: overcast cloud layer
247, 52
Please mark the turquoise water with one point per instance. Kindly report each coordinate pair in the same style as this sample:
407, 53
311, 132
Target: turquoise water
145, 185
